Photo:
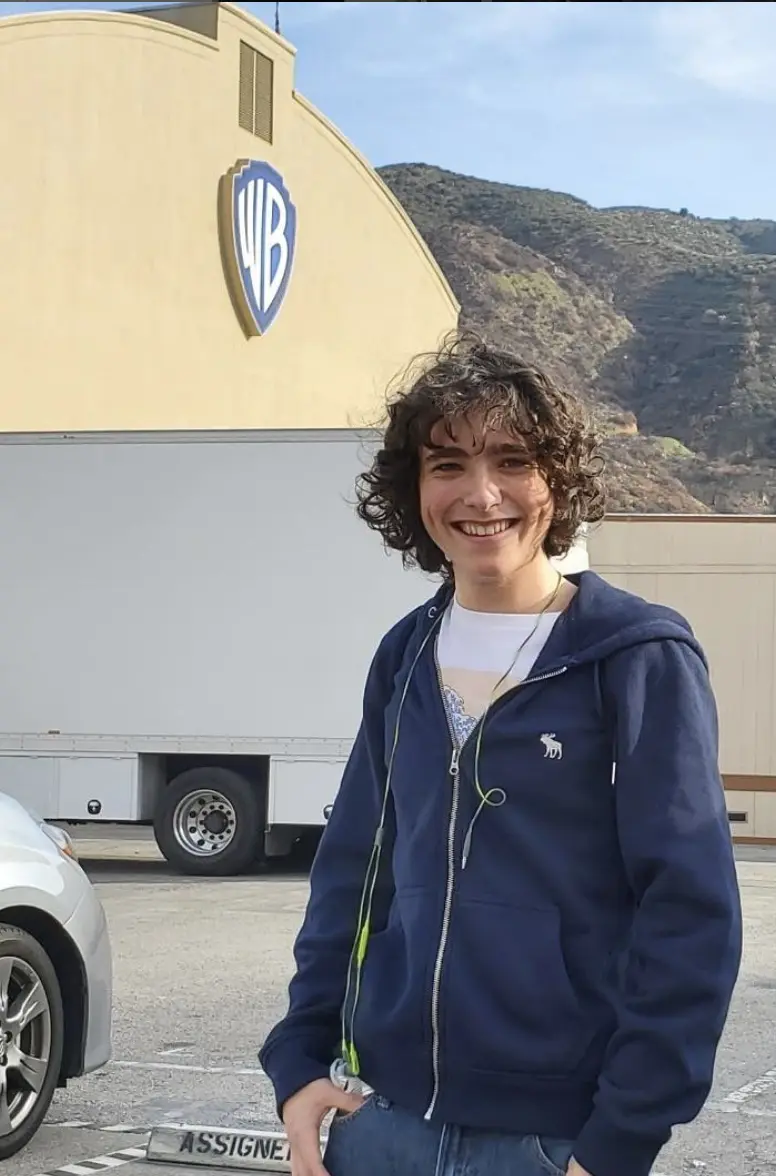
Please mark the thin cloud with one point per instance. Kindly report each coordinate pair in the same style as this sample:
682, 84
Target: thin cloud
546, 59
728, 47
417, 41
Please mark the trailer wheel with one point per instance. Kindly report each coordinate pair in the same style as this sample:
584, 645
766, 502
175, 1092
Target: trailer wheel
209, 821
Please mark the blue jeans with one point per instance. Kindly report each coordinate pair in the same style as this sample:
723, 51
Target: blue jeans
380, 1139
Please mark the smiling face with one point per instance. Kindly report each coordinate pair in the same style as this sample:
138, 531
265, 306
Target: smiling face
487, 506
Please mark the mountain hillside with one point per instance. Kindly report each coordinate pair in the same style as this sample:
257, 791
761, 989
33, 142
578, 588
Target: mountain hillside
664, 321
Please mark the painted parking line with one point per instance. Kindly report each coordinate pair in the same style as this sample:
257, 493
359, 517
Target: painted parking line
723, 1108
255, 1071
762, 1085
104, 1163
112, 1128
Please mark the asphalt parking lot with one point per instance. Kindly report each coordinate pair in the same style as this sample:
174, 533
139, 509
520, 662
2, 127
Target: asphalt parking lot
201, 968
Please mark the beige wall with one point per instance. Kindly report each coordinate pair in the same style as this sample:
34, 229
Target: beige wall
721, 574
116, 313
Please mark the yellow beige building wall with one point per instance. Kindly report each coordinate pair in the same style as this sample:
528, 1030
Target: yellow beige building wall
116, 312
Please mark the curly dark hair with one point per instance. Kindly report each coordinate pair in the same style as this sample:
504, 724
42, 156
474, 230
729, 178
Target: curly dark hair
467, 375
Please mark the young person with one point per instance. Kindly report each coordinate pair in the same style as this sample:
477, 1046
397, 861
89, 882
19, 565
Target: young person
524, 927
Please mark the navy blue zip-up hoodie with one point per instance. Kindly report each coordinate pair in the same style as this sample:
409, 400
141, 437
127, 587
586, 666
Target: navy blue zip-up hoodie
573, 978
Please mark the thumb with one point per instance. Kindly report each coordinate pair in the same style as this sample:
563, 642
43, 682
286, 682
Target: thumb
346, 1101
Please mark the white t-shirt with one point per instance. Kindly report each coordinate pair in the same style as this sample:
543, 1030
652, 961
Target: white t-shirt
475, 649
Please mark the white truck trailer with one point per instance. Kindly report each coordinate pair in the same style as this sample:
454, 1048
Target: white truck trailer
186, 621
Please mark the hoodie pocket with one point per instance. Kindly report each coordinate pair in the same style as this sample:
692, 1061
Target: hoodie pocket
509, 1003
392, 996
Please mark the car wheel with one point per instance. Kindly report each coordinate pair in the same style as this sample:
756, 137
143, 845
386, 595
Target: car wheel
32, 1035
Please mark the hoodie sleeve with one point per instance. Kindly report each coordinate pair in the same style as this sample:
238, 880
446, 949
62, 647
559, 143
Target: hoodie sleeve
303, 1045
685, 946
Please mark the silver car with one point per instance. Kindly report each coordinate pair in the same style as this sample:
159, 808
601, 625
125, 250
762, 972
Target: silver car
56, 973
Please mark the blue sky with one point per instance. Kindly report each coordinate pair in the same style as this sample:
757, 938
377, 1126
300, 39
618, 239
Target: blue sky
661, 104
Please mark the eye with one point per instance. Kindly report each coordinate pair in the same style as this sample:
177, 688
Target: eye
445, 467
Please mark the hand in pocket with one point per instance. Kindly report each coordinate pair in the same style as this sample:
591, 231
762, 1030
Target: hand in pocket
303, 1115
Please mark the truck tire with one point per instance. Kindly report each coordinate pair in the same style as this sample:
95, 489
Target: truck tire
27, 968
210, 822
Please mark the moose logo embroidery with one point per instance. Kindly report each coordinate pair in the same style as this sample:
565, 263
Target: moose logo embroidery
553, 748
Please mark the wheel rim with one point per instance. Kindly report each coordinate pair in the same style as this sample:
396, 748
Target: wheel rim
25, 1041
204, 823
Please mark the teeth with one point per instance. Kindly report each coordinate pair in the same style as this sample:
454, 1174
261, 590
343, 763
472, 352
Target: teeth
485, 528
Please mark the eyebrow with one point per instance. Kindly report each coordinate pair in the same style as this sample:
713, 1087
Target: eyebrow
503, 450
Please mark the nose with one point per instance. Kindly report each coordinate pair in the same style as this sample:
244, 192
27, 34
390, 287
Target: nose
482, 491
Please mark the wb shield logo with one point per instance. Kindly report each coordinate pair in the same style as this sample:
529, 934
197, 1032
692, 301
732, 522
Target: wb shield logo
258, 233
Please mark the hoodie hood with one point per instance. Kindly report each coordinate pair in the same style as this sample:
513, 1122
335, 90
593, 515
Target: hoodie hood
600, 621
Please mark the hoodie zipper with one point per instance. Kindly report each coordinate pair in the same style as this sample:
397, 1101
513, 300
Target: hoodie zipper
454, 772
